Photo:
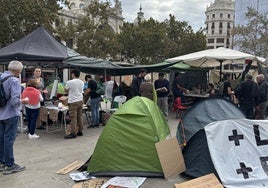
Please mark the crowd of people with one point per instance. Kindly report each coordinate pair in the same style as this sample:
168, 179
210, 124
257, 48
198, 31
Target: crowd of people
250, 96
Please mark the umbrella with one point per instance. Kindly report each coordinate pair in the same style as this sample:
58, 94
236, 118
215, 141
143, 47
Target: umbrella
215, 57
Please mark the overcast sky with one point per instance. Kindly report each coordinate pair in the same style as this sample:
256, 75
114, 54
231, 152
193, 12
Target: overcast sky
191, 11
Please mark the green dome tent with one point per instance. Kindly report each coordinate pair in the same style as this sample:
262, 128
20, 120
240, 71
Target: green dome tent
126, 146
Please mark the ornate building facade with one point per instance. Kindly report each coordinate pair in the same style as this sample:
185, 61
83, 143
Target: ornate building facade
219, 22
77, 9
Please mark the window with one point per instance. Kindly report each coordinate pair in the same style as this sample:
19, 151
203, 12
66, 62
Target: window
81, 6
229, 16
213, 15
210, 40
221, 15
212, 31
72, 6
220, 25
220, 31
212, 26
228, 25
220, 40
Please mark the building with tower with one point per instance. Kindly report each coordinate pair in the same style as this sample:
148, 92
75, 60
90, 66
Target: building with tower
77, 9
219, 22
140, 17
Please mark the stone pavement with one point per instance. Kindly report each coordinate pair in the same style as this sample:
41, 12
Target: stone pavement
43, 157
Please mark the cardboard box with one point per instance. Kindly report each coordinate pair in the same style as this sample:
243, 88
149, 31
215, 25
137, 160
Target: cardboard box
93, 183
208, 181
64, 100
171, 158
43, 114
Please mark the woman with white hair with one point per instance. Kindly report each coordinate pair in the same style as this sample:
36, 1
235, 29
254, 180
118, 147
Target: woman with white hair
147, 88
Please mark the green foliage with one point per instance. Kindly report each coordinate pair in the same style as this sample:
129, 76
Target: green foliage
19, 18
146, 43
151, 42
253, 37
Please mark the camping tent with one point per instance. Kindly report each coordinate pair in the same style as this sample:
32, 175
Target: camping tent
191, 132
126, 146
239, 151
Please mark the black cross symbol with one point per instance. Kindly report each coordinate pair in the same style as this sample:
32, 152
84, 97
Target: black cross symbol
236, 137
244, 170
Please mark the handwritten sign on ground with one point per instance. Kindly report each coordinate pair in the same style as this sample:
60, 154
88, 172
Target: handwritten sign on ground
74, 166
208, 181
93, 183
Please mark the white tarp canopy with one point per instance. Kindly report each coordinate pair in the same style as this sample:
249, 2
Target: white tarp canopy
215, 57
239, 151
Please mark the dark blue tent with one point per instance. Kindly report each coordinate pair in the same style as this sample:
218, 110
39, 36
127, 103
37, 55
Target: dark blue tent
191, 132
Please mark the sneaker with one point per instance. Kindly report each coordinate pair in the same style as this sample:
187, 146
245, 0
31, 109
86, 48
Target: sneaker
33, 136
14, 168
79, 133
41, 128
70, 136
2, 167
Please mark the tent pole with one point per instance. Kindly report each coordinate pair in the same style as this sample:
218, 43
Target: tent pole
220, 69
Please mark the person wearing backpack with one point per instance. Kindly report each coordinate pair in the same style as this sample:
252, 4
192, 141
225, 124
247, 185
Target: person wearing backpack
95, 99
9, 118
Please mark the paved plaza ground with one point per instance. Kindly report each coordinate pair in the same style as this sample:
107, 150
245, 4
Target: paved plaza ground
50, 153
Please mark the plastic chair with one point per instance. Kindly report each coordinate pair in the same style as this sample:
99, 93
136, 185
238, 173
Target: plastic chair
178, 107
120, 99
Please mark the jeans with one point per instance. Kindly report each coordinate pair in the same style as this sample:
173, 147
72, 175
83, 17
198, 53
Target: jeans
94, 106
162, 102
31, 115
8, 133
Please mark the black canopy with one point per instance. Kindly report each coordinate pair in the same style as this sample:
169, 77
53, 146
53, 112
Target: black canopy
38, 46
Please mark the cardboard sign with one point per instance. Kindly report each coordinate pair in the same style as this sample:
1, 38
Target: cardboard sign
74, 166
207, 181
93, 183
170, 156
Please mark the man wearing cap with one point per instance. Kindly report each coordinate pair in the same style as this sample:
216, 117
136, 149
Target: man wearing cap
162, 89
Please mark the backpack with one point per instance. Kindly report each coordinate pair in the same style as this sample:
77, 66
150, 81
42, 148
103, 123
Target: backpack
100, 88
3, 99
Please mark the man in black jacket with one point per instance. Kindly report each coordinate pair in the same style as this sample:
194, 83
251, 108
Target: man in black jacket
136, 82
247, 94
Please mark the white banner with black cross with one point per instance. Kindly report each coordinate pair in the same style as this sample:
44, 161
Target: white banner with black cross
239, 151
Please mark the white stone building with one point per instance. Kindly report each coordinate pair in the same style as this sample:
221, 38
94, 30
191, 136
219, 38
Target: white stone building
77, 9
219, 22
